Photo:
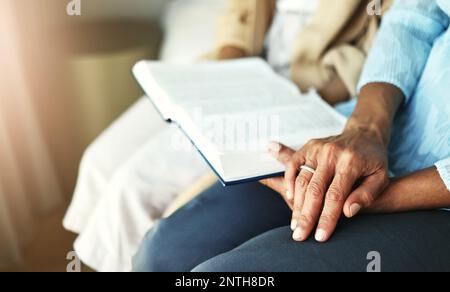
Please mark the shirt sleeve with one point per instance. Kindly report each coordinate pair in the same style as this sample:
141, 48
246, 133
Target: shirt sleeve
443, 168
404, 43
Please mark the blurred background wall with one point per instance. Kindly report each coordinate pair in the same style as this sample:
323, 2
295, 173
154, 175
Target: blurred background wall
63, 79
130, 9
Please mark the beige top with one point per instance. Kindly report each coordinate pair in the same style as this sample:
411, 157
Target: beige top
290, 17
329, 52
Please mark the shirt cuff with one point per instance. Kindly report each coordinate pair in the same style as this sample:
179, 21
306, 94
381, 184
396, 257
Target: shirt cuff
443, 168
368, 79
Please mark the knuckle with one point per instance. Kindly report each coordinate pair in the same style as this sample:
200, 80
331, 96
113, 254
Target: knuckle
349, 155
301, 182
291, 166
344, 170
305, 219
298, 204
329, 218
330, 148
367, 197
315, 190
334, 196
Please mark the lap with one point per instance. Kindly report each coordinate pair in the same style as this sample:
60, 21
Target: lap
215, 222
417, 241
136, 162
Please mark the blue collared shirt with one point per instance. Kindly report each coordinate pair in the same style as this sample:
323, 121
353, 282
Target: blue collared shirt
412, 52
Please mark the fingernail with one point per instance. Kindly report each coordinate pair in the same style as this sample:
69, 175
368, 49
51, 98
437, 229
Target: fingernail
293, 224
298, 234
289, 195
321, 235
354, 209
274, 147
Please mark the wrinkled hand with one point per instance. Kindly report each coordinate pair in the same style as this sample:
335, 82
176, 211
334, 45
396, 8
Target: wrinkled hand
284, 155
350, 172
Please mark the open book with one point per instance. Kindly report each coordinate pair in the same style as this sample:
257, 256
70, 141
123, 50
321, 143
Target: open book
231, 110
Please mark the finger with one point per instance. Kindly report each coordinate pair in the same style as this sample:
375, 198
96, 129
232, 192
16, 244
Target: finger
272, 183
301, 183
306, 156
335, 197
277, 184
312, 205
281, 152
370, 188
284, 155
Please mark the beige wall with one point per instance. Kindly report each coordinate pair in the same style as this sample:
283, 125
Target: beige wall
136, 9
42, 118
45, 43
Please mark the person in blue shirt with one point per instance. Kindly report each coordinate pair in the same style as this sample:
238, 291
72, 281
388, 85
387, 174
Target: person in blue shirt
393, 157
405, 84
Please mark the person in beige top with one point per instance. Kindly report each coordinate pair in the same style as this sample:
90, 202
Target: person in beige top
328, 52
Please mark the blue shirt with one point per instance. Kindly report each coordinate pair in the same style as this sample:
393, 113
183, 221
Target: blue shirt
412, 52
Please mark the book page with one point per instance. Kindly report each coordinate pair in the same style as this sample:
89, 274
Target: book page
310, 118
223, 87
154, 91
237, 142
294, 126
250, 129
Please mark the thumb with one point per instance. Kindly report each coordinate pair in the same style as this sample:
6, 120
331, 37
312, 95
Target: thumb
363, 196
276, 184
281, 152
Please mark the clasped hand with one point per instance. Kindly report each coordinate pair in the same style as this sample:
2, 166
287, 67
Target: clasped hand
351, 171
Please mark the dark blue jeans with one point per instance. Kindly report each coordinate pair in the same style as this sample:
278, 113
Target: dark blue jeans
245, 229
